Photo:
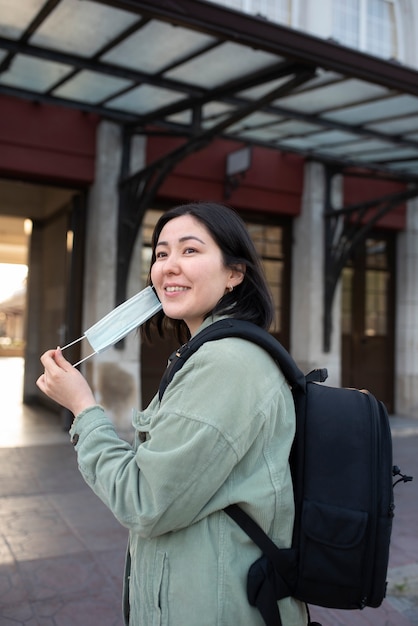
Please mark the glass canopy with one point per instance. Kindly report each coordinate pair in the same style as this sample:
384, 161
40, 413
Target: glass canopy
188, 65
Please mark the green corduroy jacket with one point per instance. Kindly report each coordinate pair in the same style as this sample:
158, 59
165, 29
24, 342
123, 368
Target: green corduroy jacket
221, 434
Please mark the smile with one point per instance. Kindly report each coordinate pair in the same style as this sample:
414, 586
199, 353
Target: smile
173, 289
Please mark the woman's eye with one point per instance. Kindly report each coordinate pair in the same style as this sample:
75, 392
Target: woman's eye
189, 250
160, 255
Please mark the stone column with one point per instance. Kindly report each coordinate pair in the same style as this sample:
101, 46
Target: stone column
113, 374
307, 305
406, 356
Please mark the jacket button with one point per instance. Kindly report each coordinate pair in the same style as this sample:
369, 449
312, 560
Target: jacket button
75, 439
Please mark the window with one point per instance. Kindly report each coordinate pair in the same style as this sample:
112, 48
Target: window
274, 10
375, 321
150, 220
377, 288
368, 25
268, 240
371, 271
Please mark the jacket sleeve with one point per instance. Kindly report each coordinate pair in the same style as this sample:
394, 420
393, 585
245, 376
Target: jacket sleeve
207, 420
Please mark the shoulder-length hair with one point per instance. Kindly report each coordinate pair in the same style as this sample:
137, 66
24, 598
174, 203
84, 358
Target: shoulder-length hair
250, 300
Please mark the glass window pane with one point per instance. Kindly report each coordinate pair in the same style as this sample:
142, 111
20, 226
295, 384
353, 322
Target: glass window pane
367, 25
150, 219
209, 69
34, 74
16, 16
82, 27
145, 98
273, 10
377, 284
268, 240
91, 87
376, 303
376, 254
346, 22
380, 29
156, 45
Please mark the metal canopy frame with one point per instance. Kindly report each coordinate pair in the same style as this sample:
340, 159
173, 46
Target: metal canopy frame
138, 191
197, 70
345, 229
115, 58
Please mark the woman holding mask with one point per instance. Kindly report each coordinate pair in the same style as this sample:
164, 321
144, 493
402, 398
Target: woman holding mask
221, 434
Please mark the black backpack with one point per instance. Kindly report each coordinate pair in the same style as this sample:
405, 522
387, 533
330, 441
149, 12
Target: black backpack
342, 474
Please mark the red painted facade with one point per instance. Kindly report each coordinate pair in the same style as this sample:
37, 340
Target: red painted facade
357, 190
57, 145
46, 143
273, 184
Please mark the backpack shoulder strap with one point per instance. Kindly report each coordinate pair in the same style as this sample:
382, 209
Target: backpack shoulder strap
230, 327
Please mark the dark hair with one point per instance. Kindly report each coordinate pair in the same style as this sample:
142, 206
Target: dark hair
250, 300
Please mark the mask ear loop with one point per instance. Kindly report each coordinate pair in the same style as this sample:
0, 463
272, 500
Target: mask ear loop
85, 359
74, 342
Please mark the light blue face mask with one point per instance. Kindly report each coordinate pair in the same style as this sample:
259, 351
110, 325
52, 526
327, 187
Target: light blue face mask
120, 322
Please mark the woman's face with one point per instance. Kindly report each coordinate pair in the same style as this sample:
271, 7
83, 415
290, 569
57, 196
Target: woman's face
189, 274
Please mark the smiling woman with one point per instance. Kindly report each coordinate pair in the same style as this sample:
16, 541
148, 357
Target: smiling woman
218, 436
222, 250
189, 273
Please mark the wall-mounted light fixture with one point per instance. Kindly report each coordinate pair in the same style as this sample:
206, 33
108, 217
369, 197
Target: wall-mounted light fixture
70, 240
237, 164
27, 227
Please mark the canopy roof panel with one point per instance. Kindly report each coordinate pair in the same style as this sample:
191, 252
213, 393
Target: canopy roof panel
189, 66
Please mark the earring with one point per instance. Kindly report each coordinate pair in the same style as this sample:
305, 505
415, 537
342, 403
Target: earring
230, 288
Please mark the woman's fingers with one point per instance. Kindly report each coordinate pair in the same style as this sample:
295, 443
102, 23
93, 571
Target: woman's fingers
64, 383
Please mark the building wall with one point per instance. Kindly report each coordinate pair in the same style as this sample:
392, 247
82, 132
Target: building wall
273, 184
318, 19
307, 295
307, 305
47, 143
406, 363
50, 143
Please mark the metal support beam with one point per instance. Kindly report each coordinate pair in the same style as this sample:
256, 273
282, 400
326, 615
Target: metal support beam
137, 192
345, 229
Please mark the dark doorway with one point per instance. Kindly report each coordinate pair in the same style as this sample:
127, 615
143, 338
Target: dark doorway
368, 318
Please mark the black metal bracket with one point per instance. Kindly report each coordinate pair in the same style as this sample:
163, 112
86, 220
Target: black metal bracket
137, 192
345, 229
232, 183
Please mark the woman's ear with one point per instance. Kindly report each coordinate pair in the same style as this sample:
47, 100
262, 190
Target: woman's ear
237, 274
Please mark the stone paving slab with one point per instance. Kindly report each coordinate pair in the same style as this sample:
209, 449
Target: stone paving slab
62, 551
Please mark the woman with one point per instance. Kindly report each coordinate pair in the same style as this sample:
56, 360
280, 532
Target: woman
221, 434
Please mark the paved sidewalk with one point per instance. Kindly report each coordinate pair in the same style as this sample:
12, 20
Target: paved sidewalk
62, 552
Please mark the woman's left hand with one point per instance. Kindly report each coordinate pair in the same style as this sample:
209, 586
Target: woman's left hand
64, 384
